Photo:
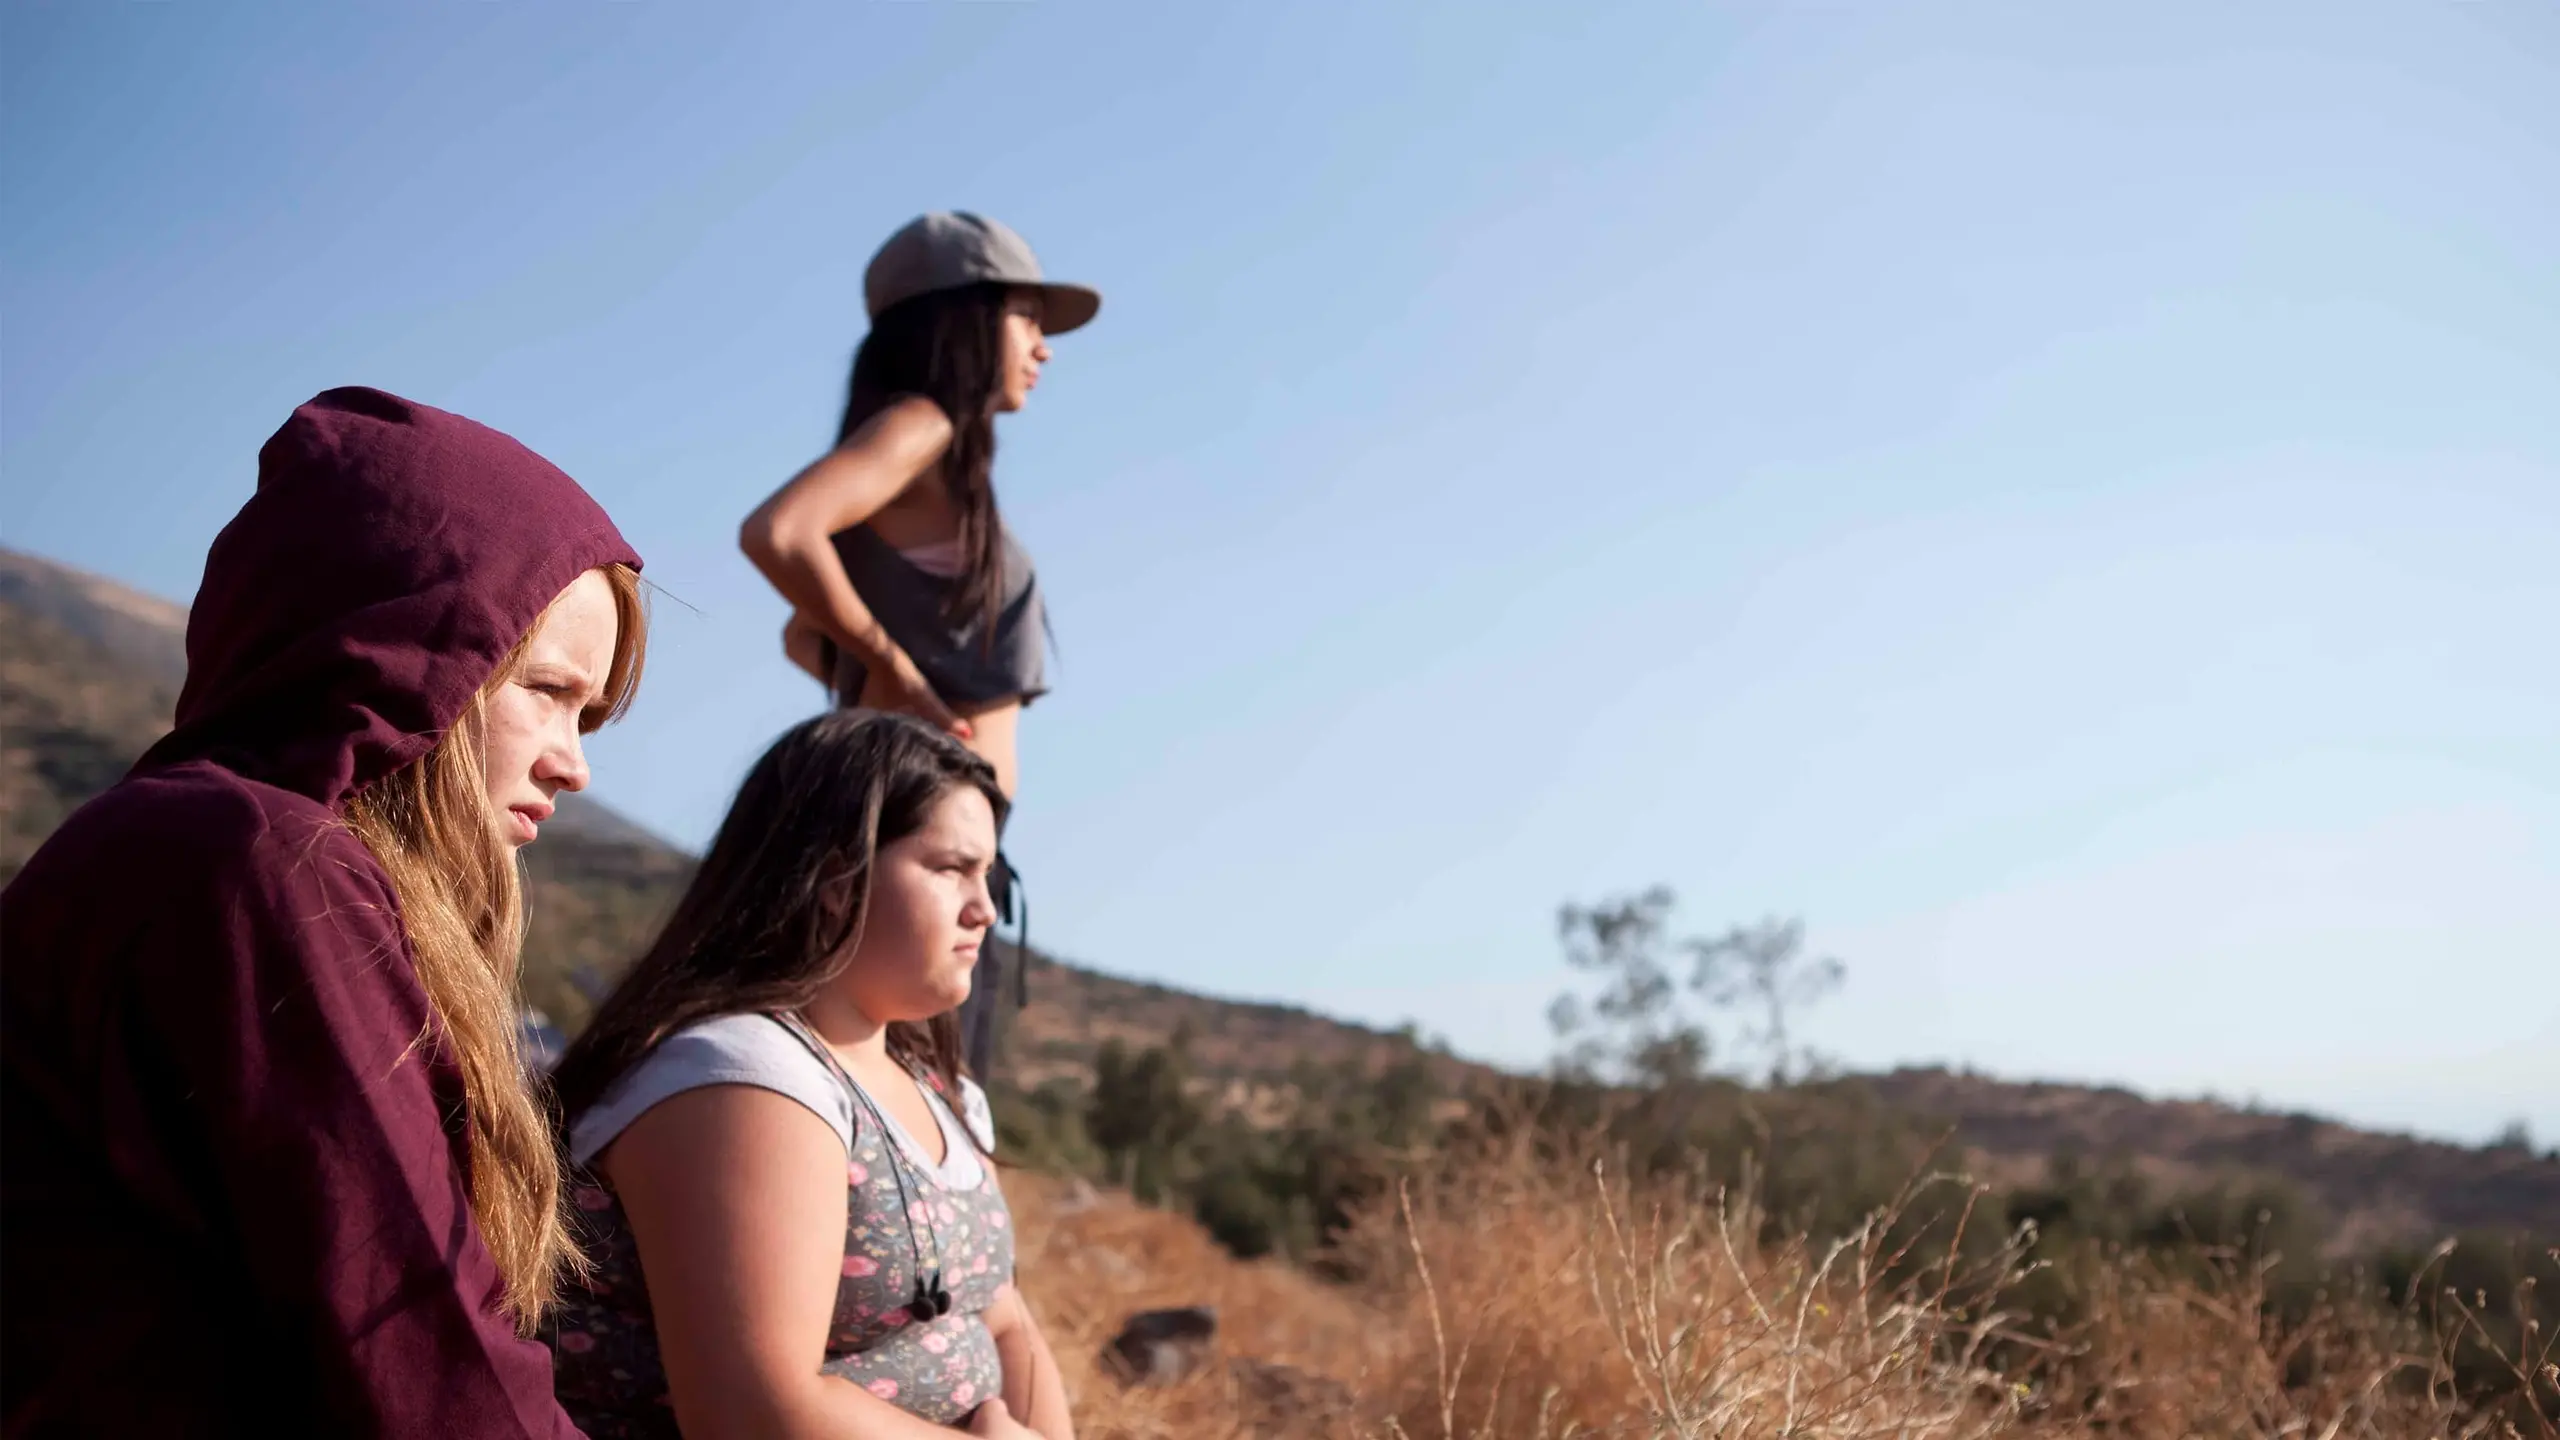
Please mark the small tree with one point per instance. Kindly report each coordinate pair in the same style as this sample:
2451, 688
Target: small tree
1634, 1028
1646, 1027
1141, 1112
1763, 971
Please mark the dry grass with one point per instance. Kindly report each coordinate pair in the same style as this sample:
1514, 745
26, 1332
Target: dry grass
1505, 1297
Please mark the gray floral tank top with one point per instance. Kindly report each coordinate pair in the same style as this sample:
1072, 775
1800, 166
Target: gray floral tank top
604, 1342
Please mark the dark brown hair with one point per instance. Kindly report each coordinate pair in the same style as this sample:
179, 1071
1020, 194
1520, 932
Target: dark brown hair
775, 909
947, 346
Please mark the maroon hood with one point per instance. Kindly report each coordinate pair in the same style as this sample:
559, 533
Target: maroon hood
391, 558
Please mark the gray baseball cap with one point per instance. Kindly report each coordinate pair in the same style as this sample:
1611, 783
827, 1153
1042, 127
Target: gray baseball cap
951, 248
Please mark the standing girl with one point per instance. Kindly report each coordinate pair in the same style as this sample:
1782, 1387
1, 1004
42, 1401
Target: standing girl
907, 593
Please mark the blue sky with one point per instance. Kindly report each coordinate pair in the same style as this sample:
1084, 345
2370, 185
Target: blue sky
2067, 503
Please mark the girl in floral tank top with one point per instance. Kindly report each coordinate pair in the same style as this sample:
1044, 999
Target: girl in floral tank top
779, 1171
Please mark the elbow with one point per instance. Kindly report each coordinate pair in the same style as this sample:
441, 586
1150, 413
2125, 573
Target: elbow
761, 538
776, 545
760, 1407
1005, 1316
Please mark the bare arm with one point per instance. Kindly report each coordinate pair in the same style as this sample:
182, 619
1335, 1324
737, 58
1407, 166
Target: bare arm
992, 733
736, 1197
806, 646
1033, 1390
791, 539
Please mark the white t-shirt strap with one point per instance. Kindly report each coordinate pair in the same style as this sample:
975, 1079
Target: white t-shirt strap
731, 1050
977, 1114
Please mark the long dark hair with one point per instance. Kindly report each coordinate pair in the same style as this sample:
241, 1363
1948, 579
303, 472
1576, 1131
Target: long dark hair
946, 345
776, 907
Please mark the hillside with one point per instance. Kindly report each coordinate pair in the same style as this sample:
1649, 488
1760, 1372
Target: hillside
89, 671
2375, 1187
1244, 1045
73, 715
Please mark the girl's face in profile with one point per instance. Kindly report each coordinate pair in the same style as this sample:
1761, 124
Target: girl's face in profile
537, 717
929, 914
1026, 349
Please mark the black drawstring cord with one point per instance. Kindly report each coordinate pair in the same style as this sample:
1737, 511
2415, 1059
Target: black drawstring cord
1017, 899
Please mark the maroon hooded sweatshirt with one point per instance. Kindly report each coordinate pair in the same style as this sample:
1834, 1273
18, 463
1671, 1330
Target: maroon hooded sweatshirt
233, 1199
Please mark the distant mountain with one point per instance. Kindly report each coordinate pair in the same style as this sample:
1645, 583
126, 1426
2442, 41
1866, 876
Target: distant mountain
141, 631
2375, 1187
90, 670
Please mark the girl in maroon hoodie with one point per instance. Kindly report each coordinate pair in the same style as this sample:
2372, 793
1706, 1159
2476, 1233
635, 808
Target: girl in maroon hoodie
271, 1163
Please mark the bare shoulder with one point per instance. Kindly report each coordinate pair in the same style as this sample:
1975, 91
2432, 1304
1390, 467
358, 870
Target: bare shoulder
867, 473
910, 428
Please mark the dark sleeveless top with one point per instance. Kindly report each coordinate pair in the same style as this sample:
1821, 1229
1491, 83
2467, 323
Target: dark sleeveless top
909, 603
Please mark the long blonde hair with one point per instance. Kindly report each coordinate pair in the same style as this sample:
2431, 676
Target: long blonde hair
462, 907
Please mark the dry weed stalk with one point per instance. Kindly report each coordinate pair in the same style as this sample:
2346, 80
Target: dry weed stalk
2530, 1362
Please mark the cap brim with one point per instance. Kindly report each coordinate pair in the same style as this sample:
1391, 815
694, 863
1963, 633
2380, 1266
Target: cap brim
1067, 307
